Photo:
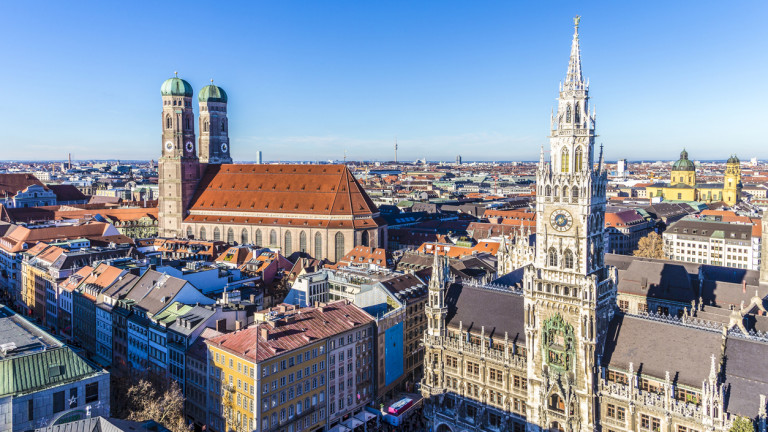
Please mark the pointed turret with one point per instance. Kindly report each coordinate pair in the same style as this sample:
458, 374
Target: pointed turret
601, 164
435, 309
574, 79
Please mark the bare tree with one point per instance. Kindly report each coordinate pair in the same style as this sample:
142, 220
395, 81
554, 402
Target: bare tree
650, 246
164, 405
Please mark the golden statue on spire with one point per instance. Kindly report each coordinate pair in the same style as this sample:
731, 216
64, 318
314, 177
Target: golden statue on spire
576, 21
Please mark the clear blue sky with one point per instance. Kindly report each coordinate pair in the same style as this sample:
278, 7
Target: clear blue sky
309, 79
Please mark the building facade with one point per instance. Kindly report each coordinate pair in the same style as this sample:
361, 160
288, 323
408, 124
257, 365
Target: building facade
275, 374
715, 243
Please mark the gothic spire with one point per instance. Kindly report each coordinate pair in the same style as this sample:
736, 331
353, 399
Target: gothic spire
438, 272
601, 164
573, 79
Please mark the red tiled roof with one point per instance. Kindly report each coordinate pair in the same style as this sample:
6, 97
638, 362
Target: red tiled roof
305, 326
305, 189
15, 241
454, 251
74, 280
66, 192
10, 184
365, 255
622, 218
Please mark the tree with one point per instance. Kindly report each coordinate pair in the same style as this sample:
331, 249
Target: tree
742, 424
148, 401
650, 246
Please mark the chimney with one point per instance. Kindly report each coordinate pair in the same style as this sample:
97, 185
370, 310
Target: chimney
221, 325
238, 325
743, 287
264, 332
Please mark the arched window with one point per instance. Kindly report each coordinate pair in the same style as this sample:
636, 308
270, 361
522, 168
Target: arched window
364, 239
556, 403
578, 159
568, 113
552, 257
339, 240
273, 238
230, 236
565, 161
202, 233
318, 246
302, 241
168, 122
223, 125
577, 114
257, 238
575, 194
216, 234
244, 236
568, 259
205, 126
288, 249
548, 190
189, 232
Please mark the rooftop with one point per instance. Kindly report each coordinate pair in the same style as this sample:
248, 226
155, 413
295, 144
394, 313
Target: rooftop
291, 328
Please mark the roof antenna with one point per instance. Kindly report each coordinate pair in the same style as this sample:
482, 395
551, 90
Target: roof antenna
176, 74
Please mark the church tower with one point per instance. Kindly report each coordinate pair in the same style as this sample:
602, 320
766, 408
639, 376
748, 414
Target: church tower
732, 181
214, 126
683, 171
569, 292
178, 168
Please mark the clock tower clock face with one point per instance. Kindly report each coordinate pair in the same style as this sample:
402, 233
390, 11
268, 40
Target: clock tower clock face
190, 146
224, 147
561, 220
169, 145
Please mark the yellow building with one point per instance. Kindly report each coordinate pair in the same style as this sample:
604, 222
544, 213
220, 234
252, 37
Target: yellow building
684, 187
276, 374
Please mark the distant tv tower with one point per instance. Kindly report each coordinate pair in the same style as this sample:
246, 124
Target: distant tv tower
395, 149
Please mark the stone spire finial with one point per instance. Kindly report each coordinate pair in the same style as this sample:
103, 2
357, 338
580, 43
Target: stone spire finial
601, 164
574, 79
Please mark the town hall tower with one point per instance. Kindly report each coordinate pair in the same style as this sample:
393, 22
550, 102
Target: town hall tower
569, 292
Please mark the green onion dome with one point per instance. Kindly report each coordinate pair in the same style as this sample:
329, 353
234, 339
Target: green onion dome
176, 87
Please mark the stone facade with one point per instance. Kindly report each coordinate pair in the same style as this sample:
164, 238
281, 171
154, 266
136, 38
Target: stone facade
551, 350
515, 251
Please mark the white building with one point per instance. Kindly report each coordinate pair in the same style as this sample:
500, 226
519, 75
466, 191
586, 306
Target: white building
715, 243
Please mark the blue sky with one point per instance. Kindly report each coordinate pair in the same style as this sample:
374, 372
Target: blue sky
308, 80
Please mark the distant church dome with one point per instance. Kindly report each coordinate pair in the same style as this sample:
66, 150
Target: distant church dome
684, 164
176, 87
733, 159
212, 93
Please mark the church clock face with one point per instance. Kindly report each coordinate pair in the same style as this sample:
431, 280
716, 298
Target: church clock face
190, 146
224, 147
169, 145
561, 220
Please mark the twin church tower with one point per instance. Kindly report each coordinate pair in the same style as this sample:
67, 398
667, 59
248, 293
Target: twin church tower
183, 161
